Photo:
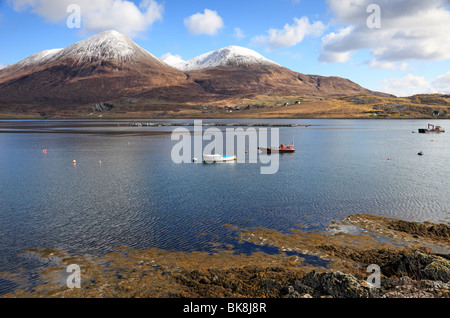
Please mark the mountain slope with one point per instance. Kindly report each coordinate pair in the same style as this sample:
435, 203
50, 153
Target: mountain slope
103, 67
267, 79
235, 70
109, 66
230, 56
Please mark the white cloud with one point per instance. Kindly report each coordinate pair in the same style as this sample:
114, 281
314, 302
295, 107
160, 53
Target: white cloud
170, 55
442, 83
290, 35
410, 30
100, 15
411, 85
172, 59
374, 63
208, 22
410, 81
408, 85
239, 34
335, 52
2, 66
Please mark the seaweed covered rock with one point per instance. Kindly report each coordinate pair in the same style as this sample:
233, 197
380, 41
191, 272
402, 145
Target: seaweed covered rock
406, 287
440, 232
438, 269
334, 284
419, 265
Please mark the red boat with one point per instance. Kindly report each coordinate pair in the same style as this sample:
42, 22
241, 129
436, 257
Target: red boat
281, 149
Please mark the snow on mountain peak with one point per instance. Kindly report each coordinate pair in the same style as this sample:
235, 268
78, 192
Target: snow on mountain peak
44, 56
110, 45
174, 61
225, 57
34, 60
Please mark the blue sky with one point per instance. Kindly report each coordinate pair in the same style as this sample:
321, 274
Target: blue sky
400, 46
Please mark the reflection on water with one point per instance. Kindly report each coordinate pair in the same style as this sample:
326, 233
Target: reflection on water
138, 197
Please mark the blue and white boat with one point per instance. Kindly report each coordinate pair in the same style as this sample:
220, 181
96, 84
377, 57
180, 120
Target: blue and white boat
219, 158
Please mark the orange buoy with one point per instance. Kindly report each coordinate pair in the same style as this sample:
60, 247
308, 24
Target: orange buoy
44, 151
389, 158
100, 162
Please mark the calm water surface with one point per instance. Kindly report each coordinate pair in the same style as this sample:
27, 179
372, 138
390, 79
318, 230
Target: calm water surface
137, 197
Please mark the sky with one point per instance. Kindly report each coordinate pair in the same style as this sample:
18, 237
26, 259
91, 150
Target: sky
401, 47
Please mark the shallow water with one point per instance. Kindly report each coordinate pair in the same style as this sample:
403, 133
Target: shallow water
137, 196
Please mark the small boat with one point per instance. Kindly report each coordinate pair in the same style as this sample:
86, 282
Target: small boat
431, 129
281, 149
219, 158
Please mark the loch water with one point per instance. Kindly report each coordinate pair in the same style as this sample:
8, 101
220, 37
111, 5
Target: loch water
125, 190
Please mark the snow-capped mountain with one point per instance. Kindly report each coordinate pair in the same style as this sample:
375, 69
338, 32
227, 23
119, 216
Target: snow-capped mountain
32, 62
104, 66
109, 66
108, 45
39, 58
230, 56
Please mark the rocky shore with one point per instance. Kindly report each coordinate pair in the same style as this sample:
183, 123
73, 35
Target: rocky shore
434, 281
412, 258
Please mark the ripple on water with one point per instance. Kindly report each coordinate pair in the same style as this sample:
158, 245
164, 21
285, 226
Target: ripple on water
139, 198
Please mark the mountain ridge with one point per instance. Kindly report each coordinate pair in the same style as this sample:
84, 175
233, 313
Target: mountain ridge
109, 66
230, 56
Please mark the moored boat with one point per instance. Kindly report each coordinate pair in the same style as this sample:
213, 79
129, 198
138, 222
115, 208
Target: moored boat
219, 158
431, 129
281, 149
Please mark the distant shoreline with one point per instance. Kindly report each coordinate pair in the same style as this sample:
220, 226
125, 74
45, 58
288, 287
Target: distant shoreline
143, 126
116, 120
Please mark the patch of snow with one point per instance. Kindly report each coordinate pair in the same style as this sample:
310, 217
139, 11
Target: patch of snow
174, 61
110, 45
36, 59
102, 46
226, 57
